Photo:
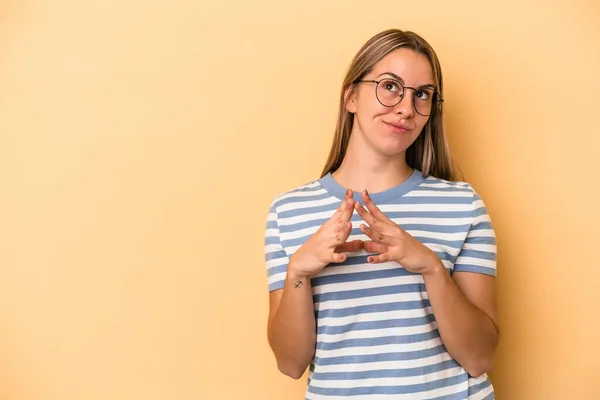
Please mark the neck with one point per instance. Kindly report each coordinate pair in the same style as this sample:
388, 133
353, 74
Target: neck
364, 168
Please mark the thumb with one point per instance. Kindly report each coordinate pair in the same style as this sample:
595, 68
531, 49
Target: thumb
338, 257
349, 247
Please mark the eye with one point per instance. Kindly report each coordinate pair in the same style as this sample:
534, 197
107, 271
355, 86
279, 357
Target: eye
423, 94
390, 85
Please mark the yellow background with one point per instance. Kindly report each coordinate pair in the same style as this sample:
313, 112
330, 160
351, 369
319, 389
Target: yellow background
142, 141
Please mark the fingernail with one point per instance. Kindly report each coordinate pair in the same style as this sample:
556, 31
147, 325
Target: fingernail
347, 192
370, 259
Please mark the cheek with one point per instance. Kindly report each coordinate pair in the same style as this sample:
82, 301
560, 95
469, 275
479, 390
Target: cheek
369, 107
371, 111
421, 121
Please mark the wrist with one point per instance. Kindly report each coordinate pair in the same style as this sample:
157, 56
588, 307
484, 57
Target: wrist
435, 268
295, 274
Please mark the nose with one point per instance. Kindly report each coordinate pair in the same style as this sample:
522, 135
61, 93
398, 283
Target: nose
406, 106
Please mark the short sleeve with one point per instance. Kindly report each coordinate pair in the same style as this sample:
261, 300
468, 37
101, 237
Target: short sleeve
276, 258
478, 253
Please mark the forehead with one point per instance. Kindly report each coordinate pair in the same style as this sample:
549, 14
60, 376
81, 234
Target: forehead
412, 67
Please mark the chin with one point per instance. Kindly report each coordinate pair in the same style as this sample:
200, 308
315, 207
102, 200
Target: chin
388, 143
391, 151
394, 146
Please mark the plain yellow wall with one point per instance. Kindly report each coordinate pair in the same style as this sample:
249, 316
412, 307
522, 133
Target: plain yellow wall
142, 141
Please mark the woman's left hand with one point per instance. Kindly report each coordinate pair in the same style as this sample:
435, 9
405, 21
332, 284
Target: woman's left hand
392, 242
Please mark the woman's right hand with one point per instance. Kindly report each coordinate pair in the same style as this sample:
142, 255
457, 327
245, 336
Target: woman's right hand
327, 244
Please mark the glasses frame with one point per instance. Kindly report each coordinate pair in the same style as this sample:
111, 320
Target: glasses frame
437, 98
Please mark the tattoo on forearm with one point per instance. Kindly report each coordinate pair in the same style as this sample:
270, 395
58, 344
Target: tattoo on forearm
298, 284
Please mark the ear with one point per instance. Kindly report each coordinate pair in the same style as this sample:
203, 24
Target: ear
350, 98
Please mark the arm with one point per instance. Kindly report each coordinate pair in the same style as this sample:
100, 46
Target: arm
291, 328
465, 311
464, 308
292, 332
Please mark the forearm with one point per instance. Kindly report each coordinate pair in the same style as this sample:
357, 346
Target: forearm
292, 329
470, 336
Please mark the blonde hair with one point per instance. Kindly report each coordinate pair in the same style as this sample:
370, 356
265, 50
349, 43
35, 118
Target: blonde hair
430, 153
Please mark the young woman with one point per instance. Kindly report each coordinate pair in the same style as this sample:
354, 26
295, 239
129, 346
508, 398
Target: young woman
382, 272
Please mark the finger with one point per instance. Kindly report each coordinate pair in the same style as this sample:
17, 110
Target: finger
364, 214
343, 205
374, 247
375, 235
373, 223
337, 257
341, 232
349, 207
337, 215
374, 210
350, 247
381, 258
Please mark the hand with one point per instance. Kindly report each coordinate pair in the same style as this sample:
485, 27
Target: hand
328, 243
392, 242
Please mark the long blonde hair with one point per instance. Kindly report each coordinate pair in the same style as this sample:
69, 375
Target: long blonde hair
430, 153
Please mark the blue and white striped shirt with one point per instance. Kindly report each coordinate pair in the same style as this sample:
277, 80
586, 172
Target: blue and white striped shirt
377, 337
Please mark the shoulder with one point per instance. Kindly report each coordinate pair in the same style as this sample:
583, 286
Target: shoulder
303, 192
454, 188
433, 181
434, 184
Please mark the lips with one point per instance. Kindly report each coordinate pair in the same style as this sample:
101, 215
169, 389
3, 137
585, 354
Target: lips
397, 127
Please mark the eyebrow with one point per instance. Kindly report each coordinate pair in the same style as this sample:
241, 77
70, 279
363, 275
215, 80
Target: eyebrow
396, 77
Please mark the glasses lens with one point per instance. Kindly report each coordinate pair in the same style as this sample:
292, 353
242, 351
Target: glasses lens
389, 92
424, 99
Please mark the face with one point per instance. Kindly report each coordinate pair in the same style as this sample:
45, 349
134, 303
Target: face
390, 130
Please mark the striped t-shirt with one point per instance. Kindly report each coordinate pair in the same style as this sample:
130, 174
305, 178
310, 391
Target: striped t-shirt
377, 337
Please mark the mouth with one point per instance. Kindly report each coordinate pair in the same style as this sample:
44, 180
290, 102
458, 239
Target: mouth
397, 128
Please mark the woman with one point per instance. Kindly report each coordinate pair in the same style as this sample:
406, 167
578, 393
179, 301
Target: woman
382, 272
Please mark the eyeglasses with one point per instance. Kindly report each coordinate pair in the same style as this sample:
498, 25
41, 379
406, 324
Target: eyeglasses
389, 92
